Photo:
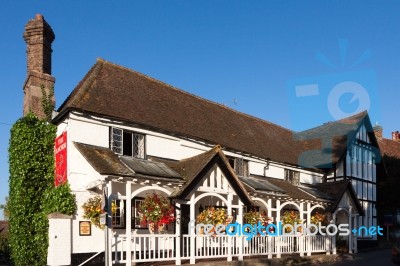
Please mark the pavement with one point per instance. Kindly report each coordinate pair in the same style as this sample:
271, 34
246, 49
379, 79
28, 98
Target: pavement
317, 259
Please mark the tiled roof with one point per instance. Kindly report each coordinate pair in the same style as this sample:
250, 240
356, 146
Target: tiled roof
260, 184
119, 93
103, 160
391, 156
329, 141
389, 147
291, 190
106, 162
337, 190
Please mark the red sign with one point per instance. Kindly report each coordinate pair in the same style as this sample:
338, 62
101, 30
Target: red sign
60, 151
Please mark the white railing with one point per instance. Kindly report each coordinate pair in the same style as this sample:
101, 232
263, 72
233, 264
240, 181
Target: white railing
162, 247
146, 247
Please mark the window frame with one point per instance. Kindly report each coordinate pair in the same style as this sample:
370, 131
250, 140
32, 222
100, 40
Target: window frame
135, 213
290, 176
122, 217
120, 150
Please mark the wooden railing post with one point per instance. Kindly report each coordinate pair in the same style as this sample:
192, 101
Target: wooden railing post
334, 245
328, 244
192, 231
178, 235
300, 240
278, 241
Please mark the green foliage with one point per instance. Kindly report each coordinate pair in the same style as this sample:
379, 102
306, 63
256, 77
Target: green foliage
47, 102
31, 159
4, 207
59, 199
32, 193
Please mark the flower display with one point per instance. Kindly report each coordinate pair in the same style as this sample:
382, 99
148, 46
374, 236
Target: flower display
291, 217
92, 210
213, 216
156, 209
253, 217
318, 218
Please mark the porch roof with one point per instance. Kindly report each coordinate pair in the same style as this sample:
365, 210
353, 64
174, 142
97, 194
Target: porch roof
337, 190
192, 170
260, 184
295, 192
106, 162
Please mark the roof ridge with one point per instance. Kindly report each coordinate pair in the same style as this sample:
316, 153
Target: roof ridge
190, 94
364, 113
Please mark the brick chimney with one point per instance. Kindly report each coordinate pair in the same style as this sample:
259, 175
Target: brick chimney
38, 36
396, 135
378, 130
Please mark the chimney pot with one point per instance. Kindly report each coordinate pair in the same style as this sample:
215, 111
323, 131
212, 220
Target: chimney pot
396, 135
378, 132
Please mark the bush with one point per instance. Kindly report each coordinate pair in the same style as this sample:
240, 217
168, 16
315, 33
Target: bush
59, 199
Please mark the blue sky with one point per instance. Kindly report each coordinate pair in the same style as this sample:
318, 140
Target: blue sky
256, 52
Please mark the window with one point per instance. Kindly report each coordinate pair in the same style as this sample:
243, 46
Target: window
127, 143
135, 213
240, 166
292, 177
118, 213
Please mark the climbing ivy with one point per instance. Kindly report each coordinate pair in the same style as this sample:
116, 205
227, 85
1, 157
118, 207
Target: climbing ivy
47, 102
32, 192
59, 199
31, 160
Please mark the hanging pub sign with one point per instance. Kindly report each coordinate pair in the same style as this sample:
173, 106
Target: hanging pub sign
60, 150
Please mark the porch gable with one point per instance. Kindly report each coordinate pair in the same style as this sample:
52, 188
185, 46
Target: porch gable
213, 174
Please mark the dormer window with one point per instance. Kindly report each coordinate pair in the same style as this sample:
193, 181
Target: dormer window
127, 143
240, 166
292, 177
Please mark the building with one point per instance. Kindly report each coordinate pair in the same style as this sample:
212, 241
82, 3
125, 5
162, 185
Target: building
390, 178
128, 135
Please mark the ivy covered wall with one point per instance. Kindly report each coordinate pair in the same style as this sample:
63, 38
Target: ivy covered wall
32, 193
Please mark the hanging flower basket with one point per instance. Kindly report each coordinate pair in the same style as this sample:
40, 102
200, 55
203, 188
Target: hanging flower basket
92, 210
253, 217
156, 210
213, 216
292, 218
